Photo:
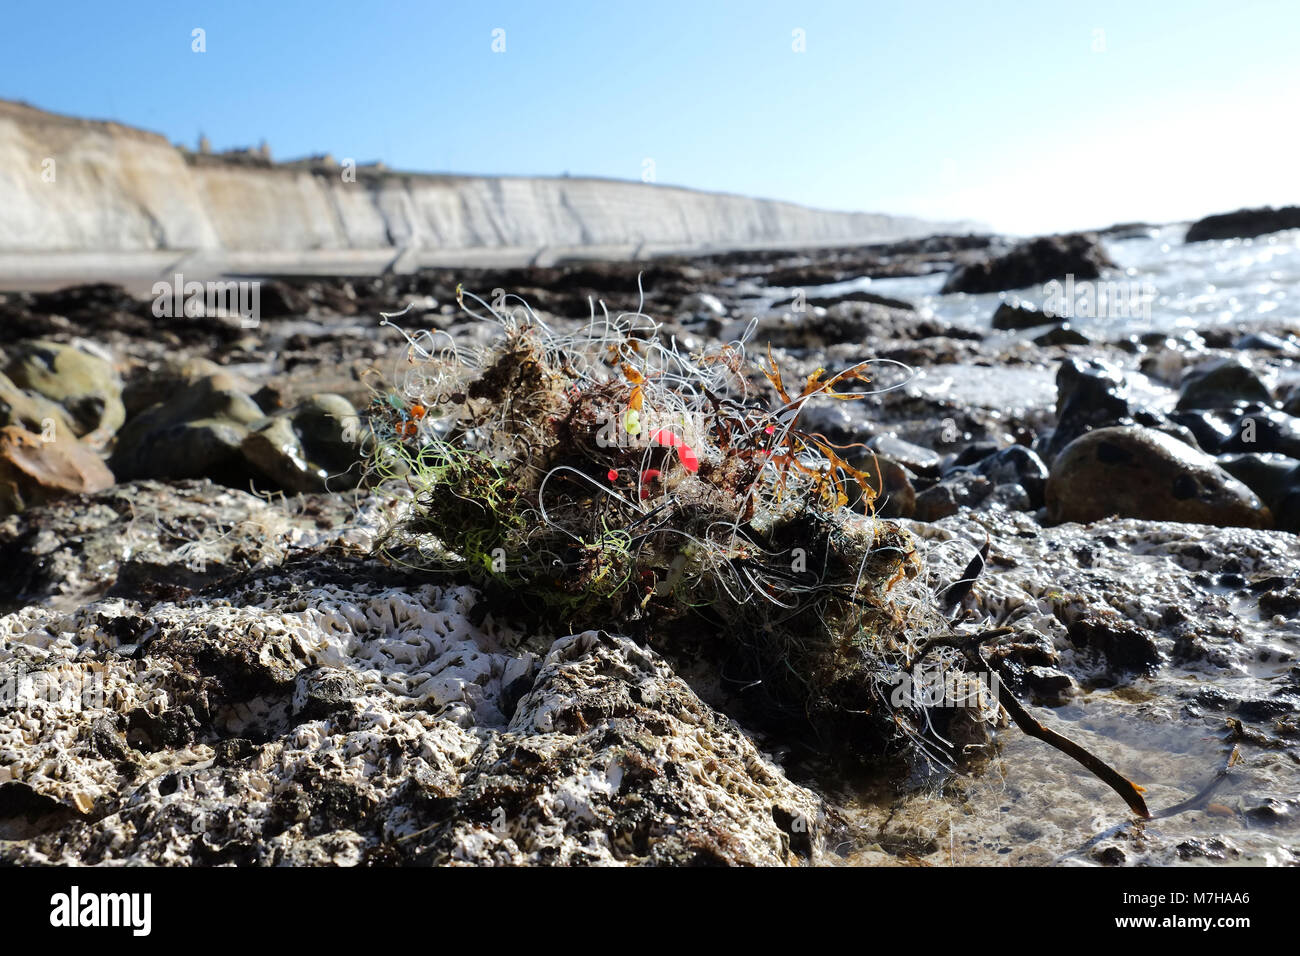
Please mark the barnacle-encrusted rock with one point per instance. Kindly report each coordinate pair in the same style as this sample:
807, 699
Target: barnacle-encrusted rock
334, 711
612, 758
150, 540
294, 719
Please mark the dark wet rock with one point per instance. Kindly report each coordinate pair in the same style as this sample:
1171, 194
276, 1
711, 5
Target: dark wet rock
1216, 700
1183, 340
566, 289
72, 310
1165, 356
108, 741
1109, 855
322, 692
1089, 394
1244, 223
1212, 849
230, 752
906, 257
1027, 649
974, 452
1010, 496
1092, 393
1287, 508
1260, 429
1137, 472
157, 381
1272, 811
271, 398
278, 300
805, 274
1128, 343
948, 349
329, 427
316, 446
921, 460
859, 296
852, 324
1018, 315
1122, 231
1268, 708
181, 450
1032, 263
1047, 682
34, 471
170, 730
1016, 465
1125, 645
107, 314
1061, 336
196, 433
1267, 342
1221, 338
1271, 476
85, 385
962, 491
1221, 384
84, 301
1209, 428
1279, 597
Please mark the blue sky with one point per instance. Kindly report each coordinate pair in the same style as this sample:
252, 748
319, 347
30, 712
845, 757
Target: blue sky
1021, 115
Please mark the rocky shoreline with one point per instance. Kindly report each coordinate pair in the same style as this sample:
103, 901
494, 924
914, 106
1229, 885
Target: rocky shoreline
187, 542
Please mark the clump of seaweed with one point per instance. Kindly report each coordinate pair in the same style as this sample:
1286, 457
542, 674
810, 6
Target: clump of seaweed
597, 475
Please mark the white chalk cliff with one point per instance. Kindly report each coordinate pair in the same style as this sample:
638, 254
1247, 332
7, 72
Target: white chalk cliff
78, 186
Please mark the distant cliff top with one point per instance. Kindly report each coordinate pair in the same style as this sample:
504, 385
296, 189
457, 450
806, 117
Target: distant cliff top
29, 115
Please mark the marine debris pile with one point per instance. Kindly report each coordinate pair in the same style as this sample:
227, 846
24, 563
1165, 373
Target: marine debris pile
599, 476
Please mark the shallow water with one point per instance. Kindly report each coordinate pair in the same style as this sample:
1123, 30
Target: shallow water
1234, 282
1168, 731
